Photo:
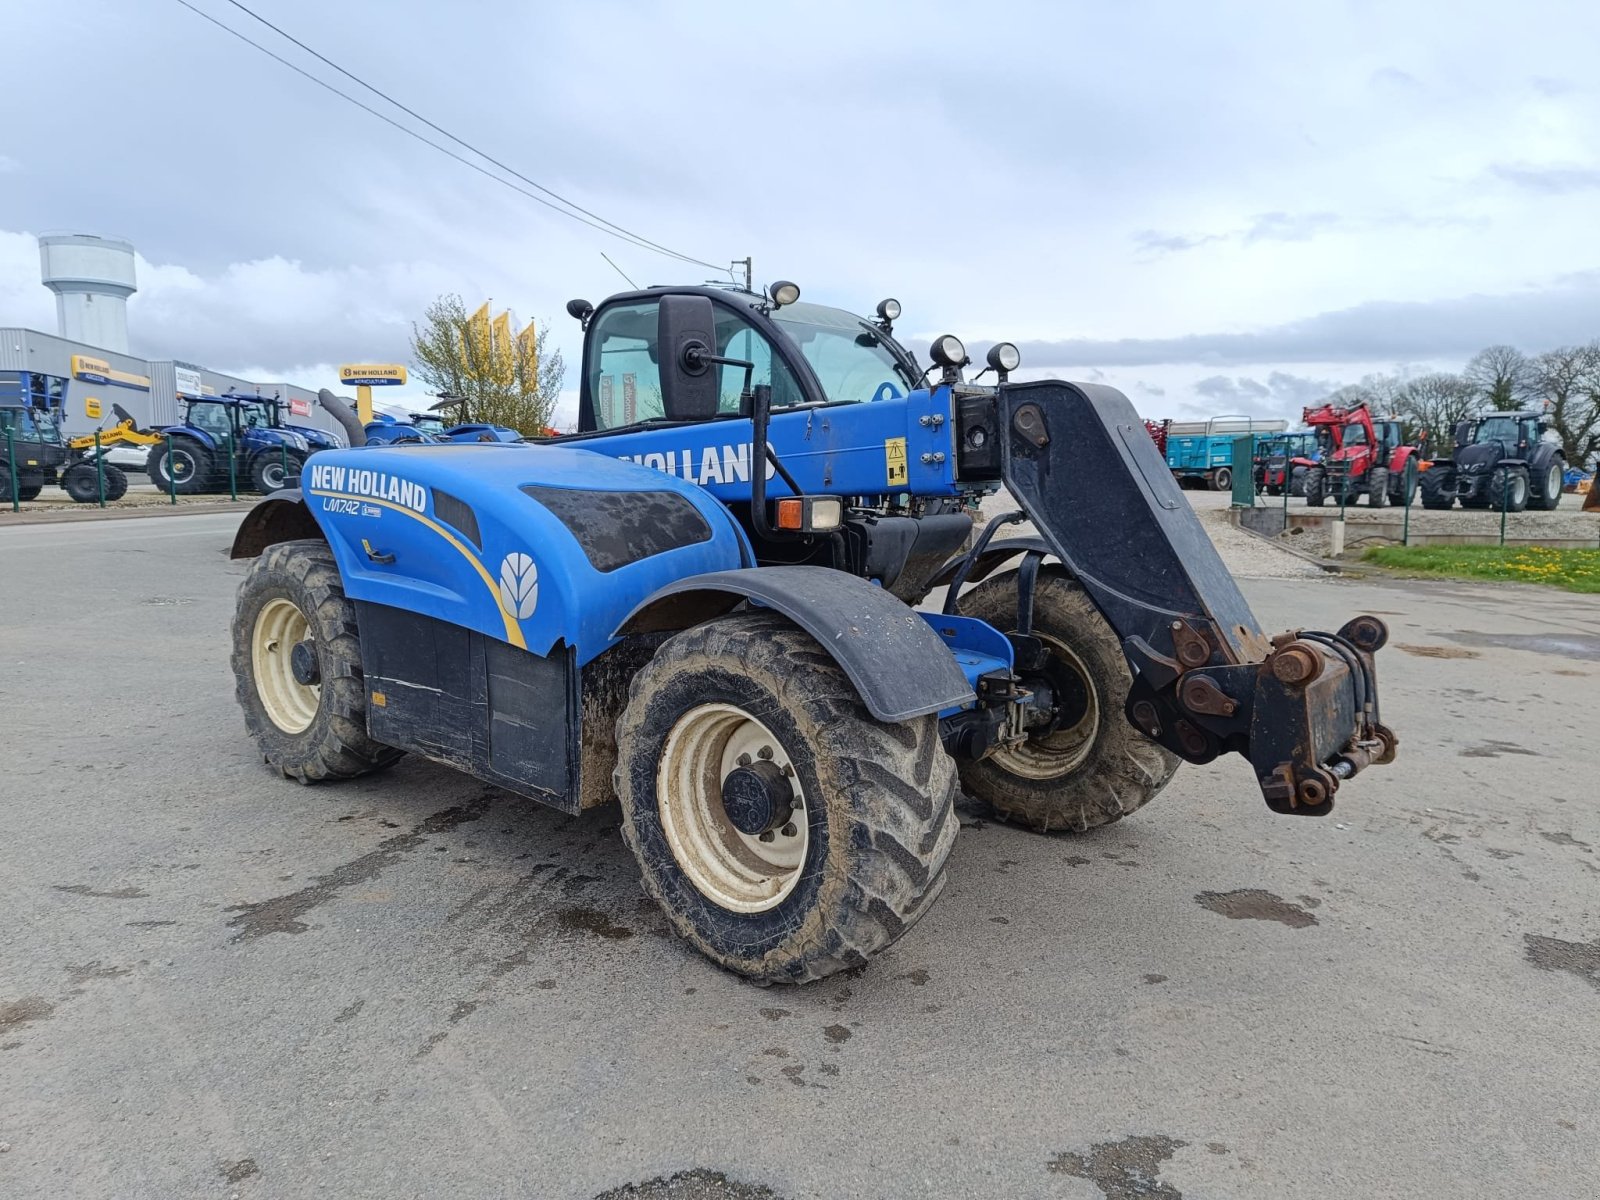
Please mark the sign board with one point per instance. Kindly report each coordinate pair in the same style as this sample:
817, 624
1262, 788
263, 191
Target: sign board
372, 374
97, 370
299, 407
91, 407
188, 382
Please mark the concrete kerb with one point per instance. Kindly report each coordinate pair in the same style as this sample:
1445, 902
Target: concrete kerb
1274, 536
1271, 522
67, 516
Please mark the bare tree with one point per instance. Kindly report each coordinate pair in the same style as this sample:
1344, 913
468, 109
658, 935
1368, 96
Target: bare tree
1501, 375
502, 381
1566, 381
1430, 405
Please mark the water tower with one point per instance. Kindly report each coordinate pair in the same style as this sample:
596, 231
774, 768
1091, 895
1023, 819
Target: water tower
92, 278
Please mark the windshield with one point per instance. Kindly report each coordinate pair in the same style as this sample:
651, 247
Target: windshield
428, 424
848, 355
259, 413
1355, 434
30, 424
1496, 429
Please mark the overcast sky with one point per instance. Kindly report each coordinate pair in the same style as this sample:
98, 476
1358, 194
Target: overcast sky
1216, 207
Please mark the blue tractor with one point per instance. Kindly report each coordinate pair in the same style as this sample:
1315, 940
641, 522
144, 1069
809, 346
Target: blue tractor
705, 605
430, 427
266, 454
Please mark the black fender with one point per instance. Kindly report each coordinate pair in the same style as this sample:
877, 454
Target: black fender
900, 667
282, 517
997, 553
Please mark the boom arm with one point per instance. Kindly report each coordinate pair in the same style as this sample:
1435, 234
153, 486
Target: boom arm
1303, 708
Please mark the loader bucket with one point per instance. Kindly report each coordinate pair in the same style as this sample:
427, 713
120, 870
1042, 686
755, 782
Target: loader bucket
1302, 707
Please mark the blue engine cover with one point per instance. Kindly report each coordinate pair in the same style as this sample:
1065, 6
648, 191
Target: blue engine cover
531, 545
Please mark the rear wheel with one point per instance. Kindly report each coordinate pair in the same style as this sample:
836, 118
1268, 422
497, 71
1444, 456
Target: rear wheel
1313, 488
1221, 479
1550, 493
1095, 768
785, 832
23, 493
187, 470
1508, 489
297, 667
1378, 487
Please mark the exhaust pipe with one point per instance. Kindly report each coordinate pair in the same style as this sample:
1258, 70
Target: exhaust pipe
344, 412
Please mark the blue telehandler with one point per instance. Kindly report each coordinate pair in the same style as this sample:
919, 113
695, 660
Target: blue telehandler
704, 604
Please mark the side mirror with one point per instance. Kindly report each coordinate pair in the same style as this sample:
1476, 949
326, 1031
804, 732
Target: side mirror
1463, 433
686, 335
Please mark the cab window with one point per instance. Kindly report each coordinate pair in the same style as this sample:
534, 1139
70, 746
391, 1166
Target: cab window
625, 365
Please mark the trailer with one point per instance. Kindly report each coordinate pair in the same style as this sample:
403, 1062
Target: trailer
1202, 451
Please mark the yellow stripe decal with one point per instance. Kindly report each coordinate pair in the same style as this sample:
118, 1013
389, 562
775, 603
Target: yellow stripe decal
513, 630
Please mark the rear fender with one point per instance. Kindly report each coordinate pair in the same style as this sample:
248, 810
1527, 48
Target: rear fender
899, 665
995, 555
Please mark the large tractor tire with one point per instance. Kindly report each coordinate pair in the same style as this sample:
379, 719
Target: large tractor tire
1377, 483
79, 481
297, 667
1314, 488
1438, 488
23, 493
1549, 494
275, 470
1222, 479
1508, 489
1098, 768
786, 833
188, 471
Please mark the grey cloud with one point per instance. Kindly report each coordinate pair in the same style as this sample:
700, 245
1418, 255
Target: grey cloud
1555, 180
1545, 85
1157, 242
1380, 331
1394, 77
1289, 227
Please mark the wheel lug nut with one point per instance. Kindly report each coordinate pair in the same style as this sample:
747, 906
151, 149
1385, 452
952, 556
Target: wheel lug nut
765, 837
744, 760
764, 752
789, 830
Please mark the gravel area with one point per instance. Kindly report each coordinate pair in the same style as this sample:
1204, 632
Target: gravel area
1246, 555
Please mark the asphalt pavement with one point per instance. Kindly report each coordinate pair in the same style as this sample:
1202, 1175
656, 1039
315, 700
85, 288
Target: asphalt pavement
214, 982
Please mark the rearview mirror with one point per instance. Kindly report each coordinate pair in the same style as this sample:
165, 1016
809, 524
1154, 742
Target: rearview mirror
686, 335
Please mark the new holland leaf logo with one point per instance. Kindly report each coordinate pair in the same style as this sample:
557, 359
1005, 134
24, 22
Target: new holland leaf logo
519, 586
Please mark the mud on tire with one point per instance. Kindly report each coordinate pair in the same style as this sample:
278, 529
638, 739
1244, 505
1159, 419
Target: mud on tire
333, 744
1102, 768
877, 800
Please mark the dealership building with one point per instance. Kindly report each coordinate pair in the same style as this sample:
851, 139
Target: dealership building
85, 368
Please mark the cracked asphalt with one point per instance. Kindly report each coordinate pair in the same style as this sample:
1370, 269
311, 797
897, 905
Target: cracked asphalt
214, 982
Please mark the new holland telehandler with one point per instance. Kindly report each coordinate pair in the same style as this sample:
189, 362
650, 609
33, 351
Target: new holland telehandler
703, 604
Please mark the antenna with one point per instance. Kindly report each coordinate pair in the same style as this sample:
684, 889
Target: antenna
619, 271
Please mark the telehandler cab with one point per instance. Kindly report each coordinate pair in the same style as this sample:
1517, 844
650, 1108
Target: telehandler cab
701, 604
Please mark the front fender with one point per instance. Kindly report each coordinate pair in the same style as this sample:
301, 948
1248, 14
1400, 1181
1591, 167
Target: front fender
900, 667
281, 517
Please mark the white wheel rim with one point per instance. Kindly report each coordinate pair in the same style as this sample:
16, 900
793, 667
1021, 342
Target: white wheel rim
289, 704
734, 870
1065, 750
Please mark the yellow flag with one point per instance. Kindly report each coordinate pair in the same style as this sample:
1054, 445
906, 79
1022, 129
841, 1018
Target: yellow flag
476, 342
528, 353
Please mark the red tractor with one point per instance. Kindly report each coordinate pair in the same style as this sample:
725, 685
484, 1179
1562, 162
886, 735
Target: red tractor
1364, 457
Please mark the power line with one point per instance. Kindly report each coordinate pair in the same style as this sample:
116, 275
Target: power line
586, 217
458, 141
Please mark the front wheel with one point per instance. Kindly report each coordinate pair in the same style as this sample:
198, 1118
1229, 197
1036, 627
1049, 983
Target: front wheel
82, 486
1508, 490
1378, 487
297, 667
1438, 487
1093, 767
785, 832
1316, 481
274, 470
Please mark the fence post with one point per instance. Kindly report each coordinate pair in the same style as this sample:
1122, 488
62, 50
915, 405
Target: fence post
172, 480
11, 470
1505, 496
99, 470
233, 471
1408, 484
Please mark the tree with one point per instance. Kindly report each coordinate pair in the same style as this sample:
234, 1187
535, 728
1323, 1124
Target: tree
1501, 375
1432, 404
494, 376
1567, 382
